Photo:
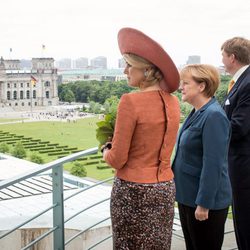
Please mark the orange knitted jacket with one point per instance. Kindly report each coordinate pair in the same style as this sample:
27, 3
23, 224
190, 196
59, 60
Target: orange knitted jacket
144, 137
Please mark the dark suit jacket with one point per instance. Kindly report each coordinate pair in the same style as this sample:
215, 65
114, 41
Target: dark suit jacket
237, 108
200, 165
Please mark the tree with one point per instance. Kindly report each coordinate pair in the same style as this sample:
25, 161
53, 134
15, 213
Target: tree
110, 105
78, 169
97, 91
4, 148
221, 93
95, 107
67, 95
19, 151
222, 90
36, 158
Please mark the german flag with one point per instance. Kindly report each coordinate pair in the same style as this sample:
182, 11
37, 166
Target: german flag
33, 80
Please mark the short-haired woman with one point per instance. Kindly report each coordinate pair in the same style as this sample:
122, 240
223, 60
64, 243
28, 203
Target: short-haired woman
203, 190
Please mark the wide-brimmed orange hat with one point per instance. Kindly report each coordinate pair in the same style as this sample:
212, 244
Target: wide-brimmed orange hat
134, 41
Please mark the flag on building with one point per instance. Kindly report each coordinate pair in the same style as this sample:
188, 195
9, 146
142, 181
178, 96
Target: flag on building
33, 80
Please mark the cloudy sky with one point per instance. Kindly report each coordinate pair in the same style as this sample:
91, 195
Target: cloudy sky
88, 28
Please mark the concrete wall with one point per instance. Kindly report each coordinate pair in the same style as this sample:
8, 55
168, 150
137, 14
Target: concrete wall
20, 238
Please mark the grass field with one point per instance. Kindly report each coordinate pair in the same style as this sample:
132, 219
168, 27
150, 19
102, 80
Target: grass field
11, 119
80, 134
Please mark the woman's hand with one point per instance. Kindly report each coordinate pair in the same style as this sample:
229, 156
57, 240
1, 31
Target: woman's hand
107, 146
201, 213
104, 153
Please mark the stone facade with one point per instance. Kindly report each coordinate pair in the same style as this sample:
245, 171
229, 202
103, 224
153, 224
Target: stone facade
17, 89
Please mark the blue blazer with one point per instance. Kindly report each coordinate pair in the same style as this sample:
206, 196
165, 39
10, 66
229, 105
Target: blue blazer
200, 165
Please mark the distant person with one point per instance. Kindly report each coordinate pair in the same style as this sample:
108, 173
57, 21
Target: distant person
143, 194
200, 166
236, 58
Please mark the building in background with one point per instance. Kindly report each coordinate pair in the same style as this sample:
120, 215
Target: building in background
25, 64
194, 59
22, 88
99, 62
80, 63
64, 64
121, 63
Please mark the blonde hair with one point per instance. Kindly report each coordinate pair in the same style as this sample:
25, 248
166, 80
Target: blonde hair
203, 73
153, 75
239, 47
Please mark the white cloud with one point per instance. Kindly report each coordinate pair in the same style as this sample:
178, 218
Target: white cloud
79, 28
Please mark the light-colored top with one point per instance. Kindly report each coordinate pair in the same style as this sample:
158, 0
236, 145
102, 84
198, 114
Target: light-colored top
239, 73
145, 133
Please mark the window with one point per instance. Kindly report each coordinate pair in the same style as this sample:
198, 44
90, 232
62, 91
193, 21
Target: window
15, 95
22, 103
47, 94
8, 95
28, 94
47, 84
14, 85
16, 104
28, 84
21, 84
21, 94
8, 85
34, 94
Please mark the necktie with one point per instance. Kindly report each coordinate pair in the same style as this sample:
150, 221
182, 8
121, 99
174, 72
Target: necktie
230, 85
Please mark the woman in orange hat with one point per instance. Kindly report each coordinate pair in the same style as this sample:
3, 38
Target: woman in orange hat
143, 194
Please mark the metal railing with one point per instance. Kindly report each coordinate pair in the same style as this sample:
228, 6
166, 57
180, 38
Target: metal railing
58, 200
57, 206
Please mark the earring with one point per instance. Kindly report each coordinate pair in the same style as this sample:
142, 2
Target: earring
145, 73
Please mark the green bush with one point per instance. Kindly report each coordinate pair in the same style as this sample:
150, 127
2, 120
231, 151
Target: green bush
82, 159
19, 151
4, 148
36, 158
79, 170
185, 109
96, 157
100, 167
91, 162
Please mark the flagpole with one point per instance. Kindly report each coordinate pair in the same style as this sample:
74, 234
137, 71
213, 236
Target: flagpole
10, 53
31, 97
33, 81
43, 49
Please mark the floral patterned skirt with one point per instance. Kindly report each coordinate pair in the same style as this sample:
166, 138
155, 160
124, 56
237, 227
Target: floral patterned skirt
142, 215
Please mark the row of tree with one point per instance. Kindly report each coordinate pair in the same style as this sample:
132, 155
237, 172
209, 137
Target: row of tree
19, 151
103, 96
95, 91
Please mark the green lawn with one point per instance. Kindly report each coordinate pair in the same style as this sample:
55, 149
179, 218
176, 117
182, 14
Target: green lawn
11, 119
93, 172
80, 134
